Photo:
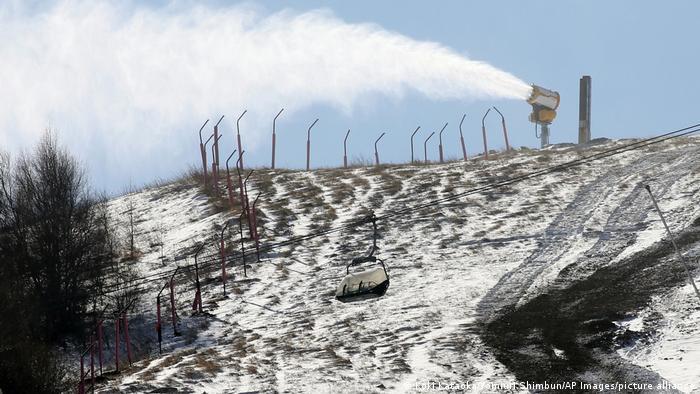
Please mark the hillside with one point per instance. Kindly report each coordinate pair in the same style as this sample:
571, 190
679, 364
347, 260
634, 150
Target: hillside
565, 275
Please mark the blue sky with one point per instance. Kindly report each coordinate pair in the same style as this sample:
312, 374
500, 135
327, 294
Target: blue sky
641, 55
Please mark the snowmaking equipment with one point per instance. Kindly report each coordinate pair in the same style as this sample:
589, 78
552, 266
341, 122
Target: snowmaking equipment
544, 109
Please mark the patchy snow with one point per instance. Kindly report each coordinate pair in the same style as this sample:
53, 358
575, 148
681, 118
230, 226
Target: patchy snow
280, 329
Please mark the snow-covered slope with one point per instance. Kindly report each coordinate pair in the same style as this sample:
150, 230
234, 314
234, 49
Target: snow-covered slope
452, 267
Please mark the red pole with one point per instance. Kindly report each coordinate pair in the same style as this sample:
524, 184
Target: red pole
203, 152
240, 228
345, 150
126, 337
247, 205
461, 138
81, 386
255, 228
204, 158
240, 180
99, 343
92, 360
308, 146
215, 168
273, 137
505, 131
116, 344
172, 303
158, 324
198, 294
483, 131
223, 256
238, 134
216, 139
229, 186
442, 159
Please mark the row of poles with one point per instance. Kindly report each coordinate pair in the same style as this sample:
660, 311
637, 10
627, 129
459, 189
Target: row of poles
96, 338
216, 136
94, 350
211, 179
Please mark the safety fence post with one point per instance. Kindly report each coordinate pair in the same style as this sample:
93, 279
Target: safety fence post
215, 168
223, 255
483, 132
247, 205
442, 158
159, 331
238, 135
229, 186
240, 229
99, 343
216, 140
126, 336
81, 385
203, 152
414, 133
254, 221
345, 150
198, 294
308, 145
204, 157
173, 312
92, 360
376, 152
425, 147
240, 179
505, 130
461, 138
116, 344
274, 137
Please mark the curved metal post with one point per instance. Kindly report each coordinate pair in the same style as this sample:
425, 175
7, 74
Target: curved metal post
483, 131
376, 153
442, 158
461, 138
198, 295
308, 145
204, 156
274, 138
255, 227
240, 181
425, 146
223, 255
229, 186
240, 229
345, 150
505, 131
203, 152
159, 326
414, 133
216, 138
238, 135
247, 204
173, 310
215, 167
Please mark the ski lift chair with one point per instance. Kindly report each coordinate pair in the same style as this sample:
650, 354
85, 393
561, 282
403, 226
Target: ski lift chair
368, 283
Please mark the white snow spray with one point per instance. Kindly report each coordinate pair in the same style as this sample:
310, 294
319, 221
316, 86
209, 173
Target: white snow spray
107, 75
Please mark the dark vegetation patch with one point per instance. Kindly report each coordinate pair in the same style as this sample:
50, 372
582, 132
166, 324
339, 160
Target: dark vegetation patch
580, 320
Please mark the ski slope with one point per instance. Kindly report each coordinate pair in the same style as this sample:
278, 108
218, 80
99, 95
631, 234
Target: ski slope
452, 268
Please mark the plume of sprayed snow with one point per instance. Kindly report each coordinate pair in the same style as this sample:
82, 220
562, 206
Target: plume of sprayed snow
106, 75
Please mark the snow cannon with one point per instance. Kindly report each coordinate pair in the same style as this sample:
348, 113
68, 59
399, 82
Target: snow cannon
544, 109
